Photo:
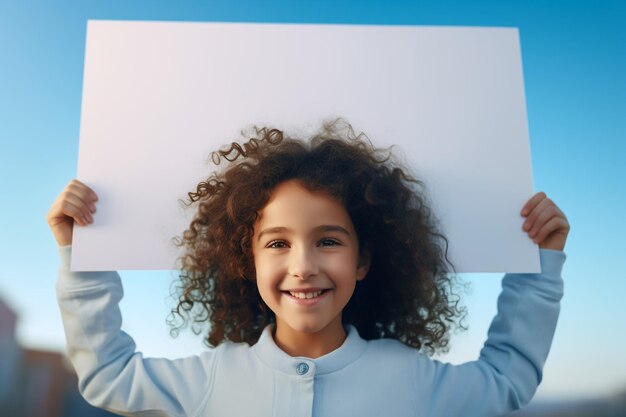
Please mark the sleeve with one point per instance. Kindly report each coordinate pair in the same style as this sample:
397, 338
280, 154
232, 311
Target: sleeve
509, 369
112, 375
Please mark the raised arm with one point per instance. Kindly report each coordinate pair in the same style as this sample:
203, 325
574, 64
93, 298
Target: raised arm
112, 375
509, 369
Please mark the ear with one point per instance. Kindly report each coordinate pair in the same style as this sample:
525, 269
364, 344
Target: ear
363, 266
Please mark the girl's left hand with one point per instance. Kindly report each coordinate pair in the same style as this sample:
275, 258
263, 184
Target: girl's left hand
545, 223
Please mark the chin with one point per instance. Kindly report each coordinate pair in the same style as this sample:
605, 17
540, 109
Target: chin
307, 328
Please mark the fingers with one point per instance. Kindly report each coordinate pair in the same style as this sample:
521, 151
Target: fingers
540, 214
81, 189
545, 223
79, 196
76, 204
70, 205
532, 203
554, 224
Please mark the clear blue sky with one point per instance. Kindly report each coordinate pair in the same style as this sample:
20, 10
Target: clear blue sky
574, 56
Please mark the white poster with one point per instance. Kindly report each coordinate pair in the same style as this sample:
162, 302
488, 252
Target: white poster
158, 97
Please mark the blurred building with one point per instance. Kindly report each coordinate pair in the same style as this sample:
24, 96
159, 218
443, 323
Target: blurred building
35, 383
610, 406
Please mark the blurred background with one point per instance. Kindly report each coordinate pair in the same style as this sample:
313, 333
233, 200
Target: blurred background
574, 57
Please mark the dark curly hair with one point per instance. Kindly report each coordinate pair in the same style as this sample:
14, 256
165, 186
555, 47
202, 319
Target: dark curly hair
409, 291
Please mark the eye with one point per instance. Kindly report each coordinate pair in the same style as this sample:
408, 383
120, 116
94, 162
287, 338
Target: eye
276, 244
329, 242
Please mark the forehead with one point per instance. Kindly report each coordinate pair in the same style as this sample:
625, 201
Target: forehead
291, 202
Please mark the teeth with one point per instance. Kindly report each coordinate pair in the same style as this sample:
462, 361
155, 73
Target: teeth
303, 295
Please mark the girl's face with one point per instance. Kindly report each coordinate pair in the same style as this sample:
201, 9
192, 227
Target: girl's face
306, 257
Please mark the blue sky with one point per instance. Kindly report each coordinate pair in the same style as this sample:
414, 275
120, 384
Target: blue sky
574, 57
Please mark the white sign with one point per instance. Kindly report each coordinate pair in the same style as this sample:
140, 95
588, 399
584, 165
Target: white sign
158, 97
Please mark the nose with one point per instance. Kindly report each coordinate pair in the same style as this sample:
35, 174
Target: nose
302, 263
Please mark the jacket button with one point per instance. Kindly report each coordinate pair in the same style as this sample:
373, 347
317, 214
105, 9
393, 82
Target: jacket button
302, 368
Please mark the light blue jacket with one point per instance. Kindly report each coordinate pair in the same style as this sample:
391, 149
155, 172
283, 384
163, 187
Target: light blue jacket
361, 378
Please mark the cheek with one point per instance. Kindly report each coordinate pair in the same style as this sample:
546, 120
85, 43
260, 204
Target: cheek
257, 264
345, 266
266, 280
267, 294
262, 267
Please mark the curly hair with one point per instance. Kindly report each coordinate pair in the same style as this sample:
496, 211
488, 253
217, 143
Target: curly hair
409, 291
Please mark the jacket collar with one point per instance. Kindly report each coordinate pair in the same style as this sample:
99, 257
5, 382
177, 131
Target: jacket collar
270, 354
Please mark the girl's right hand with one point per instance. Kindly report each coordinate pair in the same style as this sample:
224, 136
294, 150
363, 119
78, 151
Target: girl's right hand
75, 204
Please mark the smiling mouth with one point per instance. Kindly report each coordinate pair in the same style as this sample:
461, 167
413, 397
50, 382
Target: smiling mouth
306, 295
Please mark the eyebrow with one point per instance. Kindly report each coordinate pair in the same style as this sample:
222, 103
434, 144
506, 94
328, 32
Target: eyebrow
322, 228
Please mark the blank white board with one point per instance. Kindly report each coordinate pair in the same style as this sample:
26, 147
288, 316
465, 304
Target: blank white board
158, 97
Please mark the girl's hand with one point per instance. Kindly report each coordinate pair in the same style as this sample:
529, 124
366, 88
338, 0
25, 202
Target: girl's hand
75, 204
545, 223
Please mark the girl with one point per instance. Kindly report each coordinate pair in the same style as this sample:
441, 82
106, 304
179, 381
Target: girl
322, 277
